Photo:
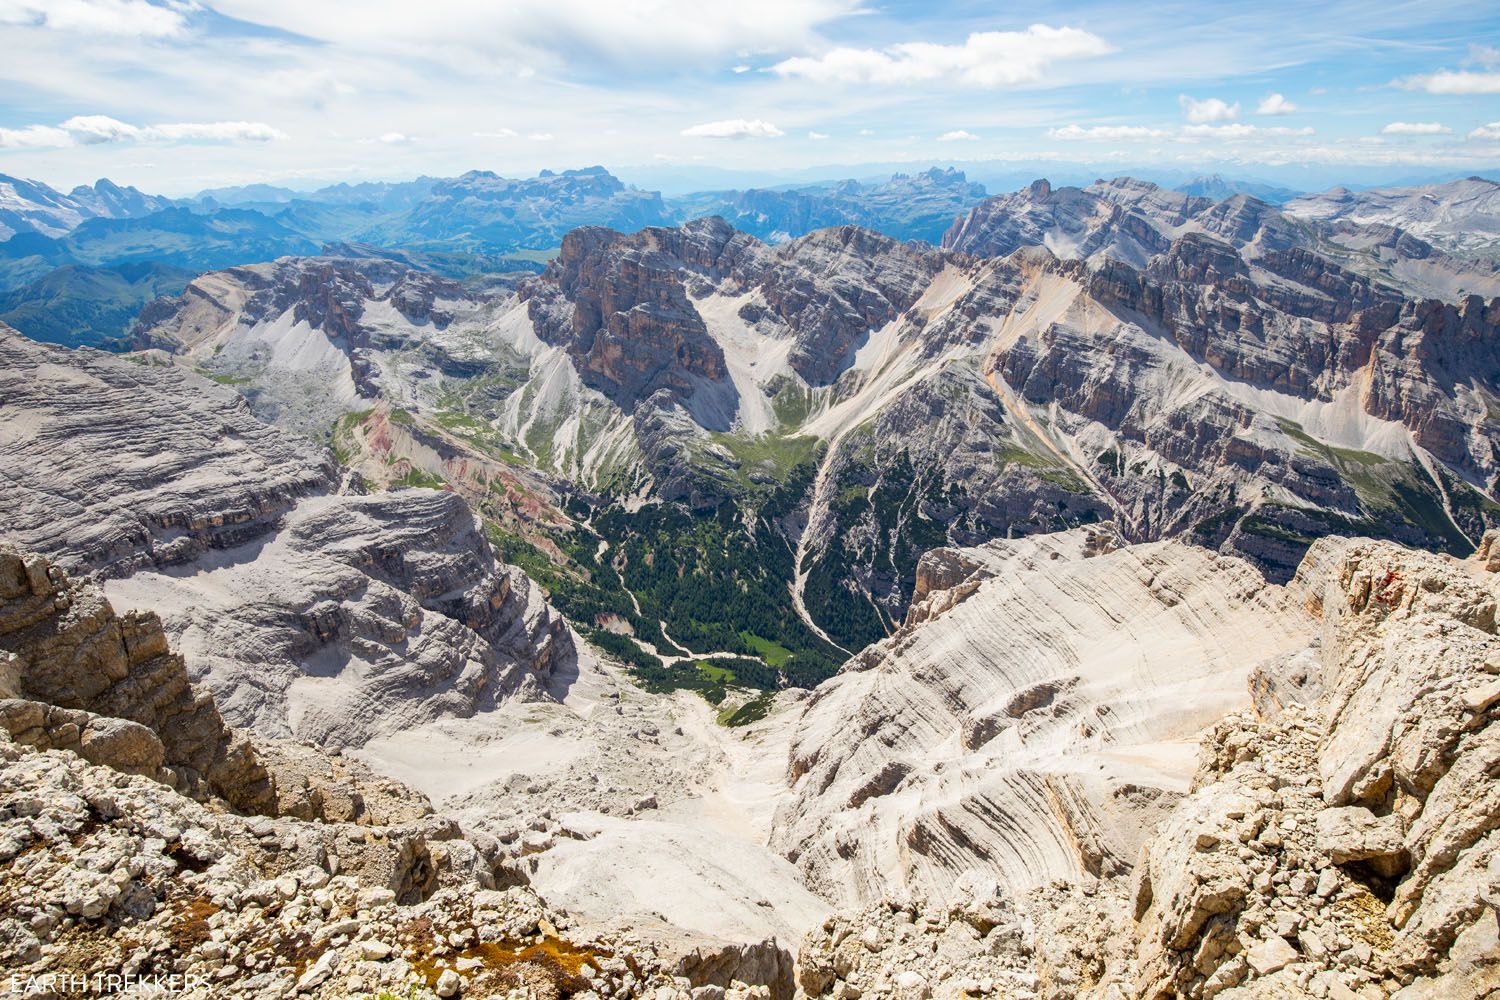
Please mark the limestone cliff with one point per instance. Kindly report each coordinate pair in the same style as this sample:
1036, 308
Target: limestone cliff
306, 611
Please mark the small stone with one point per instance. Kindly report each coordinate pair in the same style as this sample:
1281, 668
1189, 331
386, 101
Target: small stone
913, 985
1479, 698
374, 951
448, 984
1328, 883
1338, 991
1270, 955
319, 972
370, 899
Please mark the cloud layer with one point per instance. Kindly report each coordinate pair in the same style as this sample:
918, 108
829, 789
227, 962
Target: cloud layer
96, 130
734, 128
1416, 128
128, 18
985, 59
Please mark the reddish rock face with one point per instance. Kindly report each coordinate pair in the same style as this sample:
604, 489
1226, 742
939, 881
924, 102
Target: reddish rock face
621, 306
618, 306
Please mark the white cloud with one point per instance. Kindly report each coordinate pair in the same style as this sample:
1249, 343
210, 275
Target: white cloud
1208, 110
742, 69
1240, 132
501, 133
958, 135
1275, 104
34, 137
316, 87
1110, 133
1416, 128
1490, 131
734, 128
1234, 132
396, 139
817, 135
541, 136
985, 59
1461, 82
96, 130
93, 130
866, 131
130, 18
213, 132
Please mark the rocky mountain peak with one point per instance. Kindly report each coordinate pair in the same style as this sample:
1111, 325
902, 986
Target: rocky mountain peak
617, 304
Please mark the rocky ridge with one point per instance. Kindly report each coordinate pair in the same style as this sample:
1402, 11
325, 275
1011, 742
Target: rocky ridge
929, 756
112, 879
78, 677
1459, 215
32, 207
1132, 221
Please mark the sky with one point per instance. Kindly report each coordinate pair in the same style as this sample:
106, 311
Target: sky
175, 96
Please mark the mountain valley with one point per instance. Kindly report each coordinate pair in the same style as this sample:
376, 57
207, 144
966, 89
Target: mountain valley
477, 587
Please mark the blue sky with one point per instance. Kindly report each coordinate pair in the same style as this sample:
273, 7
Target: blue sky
175, 95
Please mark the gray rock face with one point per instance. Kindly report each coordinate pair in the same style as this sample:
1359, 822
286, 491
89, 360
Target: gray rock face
1004, 731
1357, 832
835, 286
112, 466
1341, 847
618, 306
361, 615
306, 612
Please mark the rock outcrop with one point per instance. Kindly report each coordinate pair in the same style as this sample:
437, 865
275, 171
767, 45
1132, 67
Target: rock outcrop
108, 687
1463, 215
1379, 234
1349, 842
360, 615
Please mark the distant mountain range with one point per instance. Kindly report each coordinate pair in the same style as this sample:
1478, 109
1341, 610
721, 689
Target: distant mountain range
1218, 188
33, 207
62, 253
908, 206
